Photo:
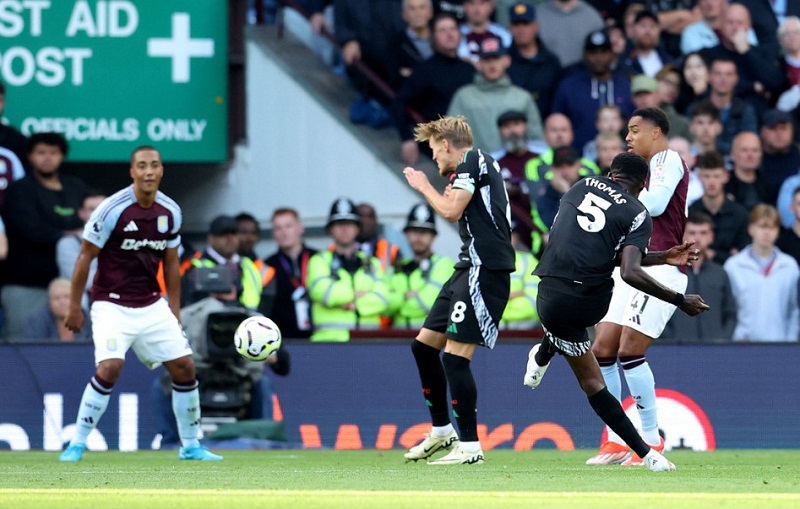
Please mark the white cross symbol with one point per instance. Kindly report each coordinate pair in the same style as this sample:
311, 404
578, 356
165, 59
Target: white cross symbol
180, 48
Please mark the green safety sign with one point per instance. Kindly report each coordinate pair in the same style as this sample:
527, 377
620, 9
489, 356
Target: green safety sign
115, 74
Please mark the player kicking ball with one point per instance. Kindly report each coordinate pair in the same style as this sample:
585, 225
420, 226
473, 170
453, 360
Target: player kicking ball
600, 224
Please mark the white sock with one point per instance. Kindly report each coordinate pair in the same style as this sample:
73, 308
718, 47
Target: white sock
442, 431
93, 405
471, 447
614, 386
186, 405
642, 385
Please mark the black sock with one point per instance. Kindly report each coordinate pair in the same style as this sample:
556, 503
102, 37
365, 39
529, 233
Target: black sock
608, 408
546, 351
464, 394
434, 382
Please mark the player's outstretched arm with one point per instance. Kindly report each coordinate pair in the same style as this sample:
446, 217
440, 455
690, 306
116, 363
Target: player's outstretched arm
679, 256
633, 274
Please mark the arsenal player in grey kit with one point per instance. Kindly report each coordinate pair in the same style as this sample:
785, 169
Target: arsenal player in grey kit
130, 233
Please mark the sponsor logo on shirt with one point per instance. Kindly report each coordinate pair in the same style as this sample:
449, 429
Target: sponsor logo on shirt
135, 245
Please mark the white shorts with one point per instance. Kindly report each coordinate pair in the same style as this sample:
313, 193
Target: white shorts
642, 312
152, 331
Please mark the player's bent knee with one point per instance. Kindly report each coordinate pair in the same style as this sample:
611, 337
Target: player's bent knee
182, 370
110, 370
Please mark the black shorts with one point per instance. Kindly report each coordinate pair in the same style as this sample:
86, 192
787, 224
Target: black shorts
567, 308
470, 305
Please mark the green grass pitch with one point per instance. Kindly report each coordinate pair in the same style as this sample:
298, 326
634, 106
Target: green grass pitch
300, 479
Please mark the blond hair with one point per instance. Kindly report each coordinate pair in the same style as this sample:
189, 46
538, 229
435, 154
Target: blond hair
456, 130
762, 211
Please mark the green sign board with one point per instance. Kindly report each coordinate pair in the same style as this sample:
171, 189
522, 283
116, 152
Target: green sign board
115, 74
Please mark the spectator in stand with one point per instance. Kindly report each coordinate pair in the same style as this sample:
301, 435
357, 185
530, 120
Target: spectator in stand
379, 240
430, 88
760, 74
766, 18
15, 142
684, 149
781, 157
717, 324
513, 127
646, 95
69, 246
566, 170
673, 17
609, 145
48, 322
619, 42
705, 127
417, 280
364, 29
746, 184
736, 114
249, 232
538, 171
562, 23
694, 88
647, 55
669, 85
789, 239
291, 306
492, 94
533, 66
703, 34
222, 250
789, 37
311, 27
764, 280
478, 27
520, 312
609, 120
729, 217
414, 44
581, 93
40, 208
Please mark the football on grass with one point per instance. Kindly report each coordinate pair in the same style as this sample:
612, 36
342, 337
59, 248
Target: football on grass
256, 338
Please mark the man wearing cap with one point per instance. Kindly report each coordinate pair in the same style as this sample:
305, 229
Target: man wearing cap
781, 157
417, 281
346, 286
647, 55
222, 250
491, 94
580, 94
533, 66
645, 94
563, 23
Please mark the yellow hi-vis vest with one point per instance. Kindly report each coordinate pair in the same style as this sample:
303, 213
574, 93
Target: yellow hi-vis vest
251, 280
330, 288
425, 282
521, 311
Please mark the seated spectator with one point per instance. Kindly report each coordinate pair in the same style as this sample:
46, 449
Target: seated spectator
647, 56
766, 18
703, 34
609, 120
789, 239
518, 150
581, 93
694, 87
684, 149
347, 288
554, 18
492, 94
417, 280
759, 74
68, 247
478, 26
781, 157
764, 281
646, 95
290, 307
609, 145
746, 184
673, 17
431, 87
39, 209
246, 279
789, 36
533, 66
705, 127
707, 276
520, 312
729, 217
566, 170
47, 323
414, 44
736, 114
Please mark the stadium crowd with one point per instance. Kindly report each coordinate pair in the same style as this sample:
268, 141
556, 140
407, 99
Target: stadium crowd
548, 87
